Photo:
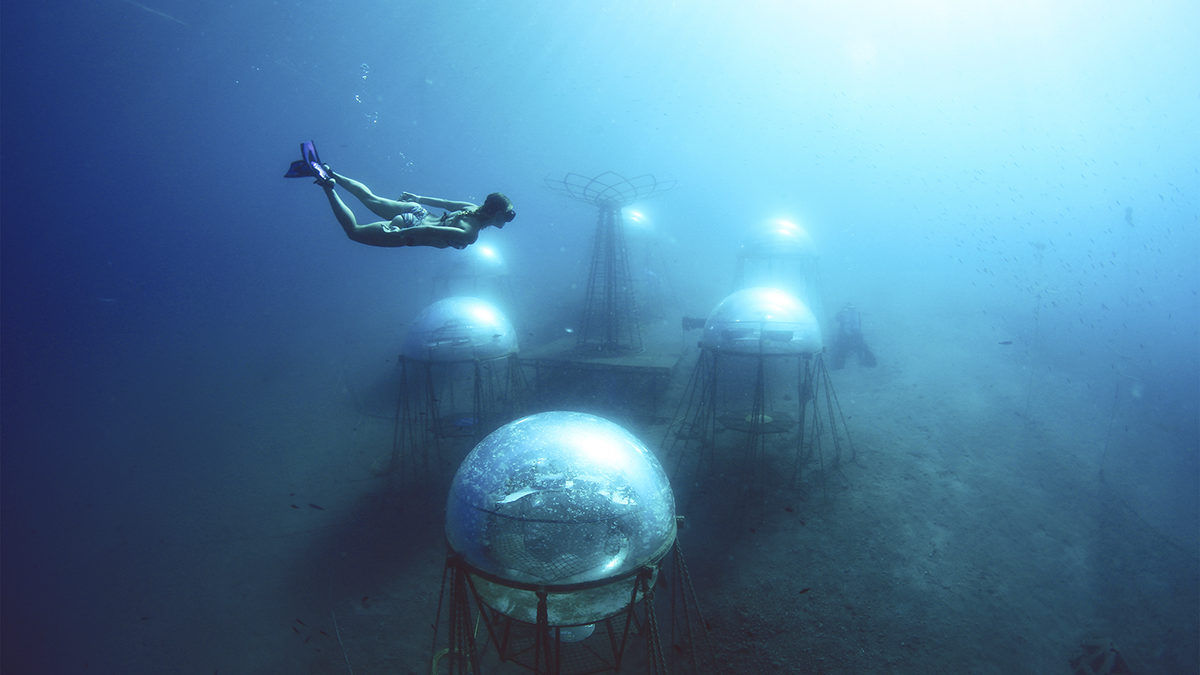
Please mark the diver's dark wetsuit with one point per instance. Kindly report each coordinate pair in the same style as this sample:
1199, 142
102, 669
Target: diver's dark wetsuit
849, 340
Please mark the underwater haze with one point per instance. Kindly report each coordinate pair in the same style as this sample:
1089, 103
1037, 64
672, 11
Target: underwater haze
196, 359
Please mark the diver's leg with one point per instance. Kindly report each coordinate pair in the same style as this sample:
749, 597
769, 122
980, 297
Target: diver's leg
344, 215
384, 208
866, 357
371, 234
856, 348
838, 354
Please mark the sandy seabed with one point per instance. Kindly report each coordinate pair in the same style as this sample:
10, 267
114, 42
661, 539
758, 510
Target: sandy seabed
988, 521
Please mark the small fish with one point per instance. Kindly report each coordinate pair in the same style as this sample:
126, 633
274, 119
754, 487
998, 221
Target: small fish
316, 506
156, 12
294, 506
510, 498
1006, 342
301, 623
803, 591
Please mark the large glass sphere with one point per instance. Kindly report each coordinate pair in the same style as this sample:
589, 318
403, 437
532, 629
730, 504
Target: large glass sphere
561, 500
460, 329
762, 321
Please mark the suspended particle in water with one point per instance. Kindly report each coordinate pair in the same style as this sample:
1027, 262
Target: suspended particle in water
358, 98
364, 71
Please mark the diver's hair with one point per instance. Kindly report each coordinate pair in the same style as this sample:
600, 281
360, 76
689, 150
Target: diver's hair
497, 204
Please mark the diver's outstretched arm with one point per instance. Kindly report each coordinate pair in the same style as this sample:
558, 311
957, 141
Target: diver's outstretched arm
384, 208
436, 203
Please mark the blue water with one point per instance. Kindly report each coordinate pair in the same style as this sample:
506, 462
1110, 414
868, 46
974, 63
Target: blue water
179, 321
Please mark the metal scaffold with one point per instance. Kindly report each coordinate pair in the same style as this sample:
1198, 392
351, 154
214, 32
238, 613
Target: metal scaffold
610, 323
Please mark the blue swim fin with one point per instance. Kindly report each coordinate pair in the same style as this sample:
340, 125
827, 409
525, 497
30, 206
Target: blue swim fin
309, 166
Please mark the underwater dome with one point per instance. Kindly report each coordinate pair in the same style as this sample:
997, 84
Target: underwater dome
779, 239
762, 321
460, 329
565, 501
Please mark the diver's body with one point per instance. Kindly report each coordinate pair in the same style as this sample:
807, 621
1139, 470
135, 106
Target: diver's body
407, 221
849, 340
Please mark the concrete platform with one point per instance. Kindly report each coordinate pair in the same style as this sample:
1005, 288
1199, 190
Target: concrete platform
631, 385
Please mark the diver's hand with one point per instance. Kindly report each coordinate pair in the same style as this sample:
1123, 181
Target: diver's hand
409, 197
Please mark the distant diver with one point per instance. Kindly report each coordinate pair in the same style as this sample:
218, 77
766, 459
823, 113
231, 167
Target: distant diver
406, 222
849, 340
